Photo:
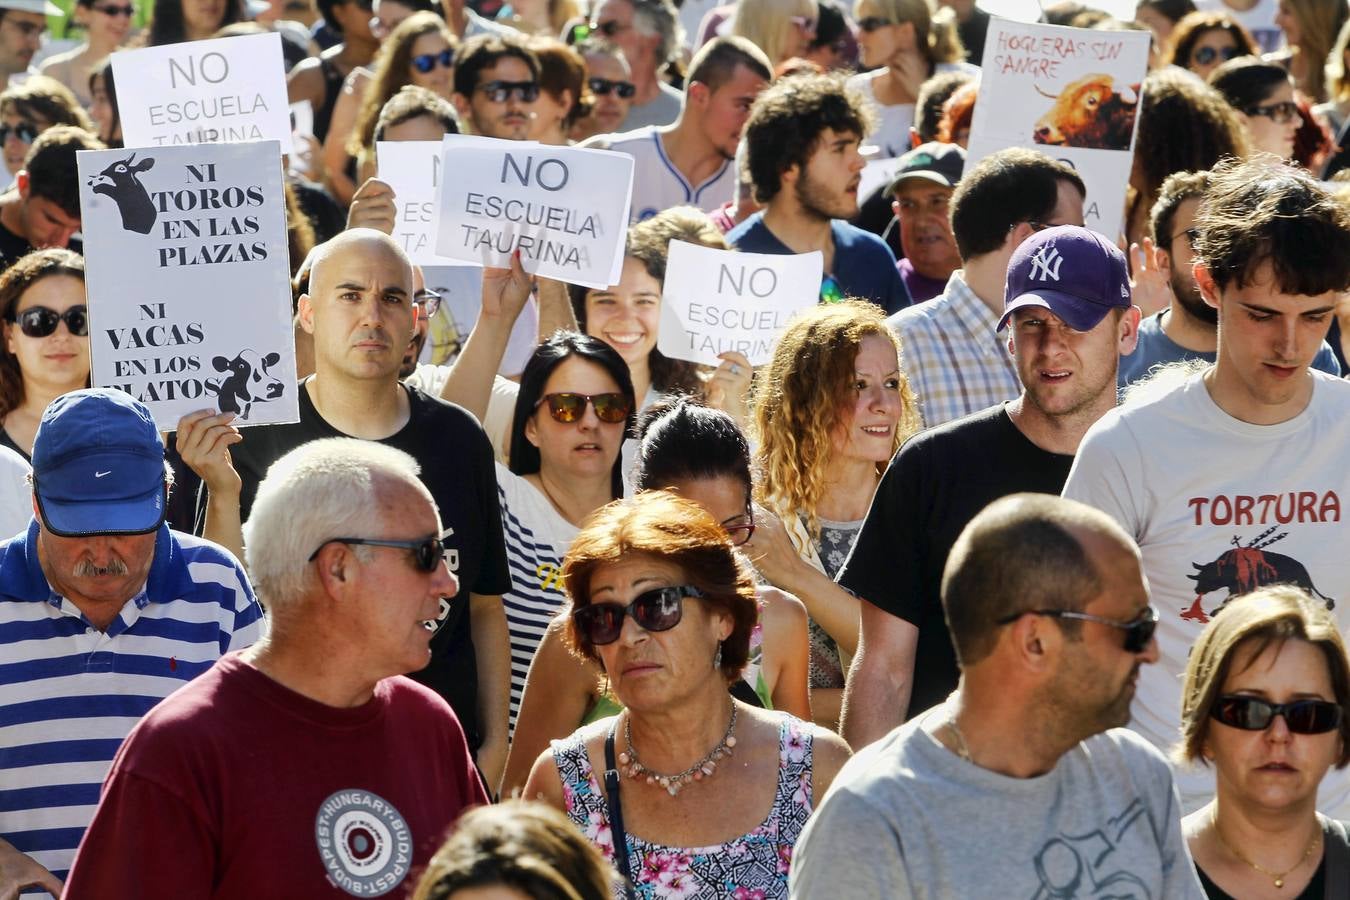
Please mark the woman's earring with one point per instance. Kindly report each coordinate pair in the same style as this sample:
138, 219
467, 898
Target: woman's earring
717, 660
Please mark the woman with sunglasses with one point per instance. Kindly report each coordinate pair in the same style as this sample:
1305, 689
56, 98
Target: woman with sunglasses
1201, 41
106, 24
701, 455
1262, 95
574, 407
661, 601
1264, 704
904, 43
783, 29
830, 410
45, 352
420, 51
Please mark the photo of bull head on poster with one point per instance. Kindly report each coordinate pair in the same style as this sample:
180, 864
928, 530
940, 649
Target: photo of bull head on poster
1089, 113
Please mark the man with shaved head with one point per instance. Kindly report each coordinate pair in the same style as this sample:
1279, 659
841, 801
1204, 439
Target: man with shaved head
359, 310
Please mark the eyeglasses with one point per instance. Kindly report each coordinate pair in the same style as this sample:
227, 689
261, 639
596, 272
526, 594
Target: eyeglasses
872, 23
805, 23
659, 609
1206, 55
127, 10
39, 321
1192, 235
1281, 113
567, 407
26, 132
501, 91
603, 86
429, 301
1137, 632
1254, 714
427, 552
740, 532
608, 29
427, 61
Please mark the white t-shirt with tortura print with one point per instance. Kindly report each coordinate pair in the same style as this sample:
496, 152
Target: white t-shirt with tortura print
1220, 507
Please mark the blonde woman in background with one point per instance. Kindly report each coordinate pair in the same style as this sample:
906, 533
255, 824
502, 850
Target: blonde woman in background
904, 43
830, 410
781, 28
1333, 113
1310, 30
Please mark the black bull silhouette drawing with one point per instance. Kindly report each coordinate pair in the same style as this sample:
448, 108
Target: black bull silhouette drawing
1244, 569
121, 181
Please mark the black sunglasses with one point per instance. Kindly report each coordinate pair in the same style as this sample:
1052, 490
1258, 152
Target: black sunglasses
39, 321
501, 91
427, 61
24, 131
1206, 55
602, 87
1254, 714
427, 552
659, 609
1137, 632
1281, 113
872, 23
127, 10
568, 407
608, 29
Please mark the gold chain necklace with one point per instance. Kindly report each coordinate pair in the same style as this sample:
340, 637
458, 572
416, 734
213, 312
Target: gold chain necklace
1277, 877
962, 748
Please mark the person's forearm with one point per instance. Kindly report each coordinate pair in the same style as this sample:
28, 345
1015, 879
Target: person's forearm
875, 700
224, 525
492, 650
470, 381
833, 608
555, 309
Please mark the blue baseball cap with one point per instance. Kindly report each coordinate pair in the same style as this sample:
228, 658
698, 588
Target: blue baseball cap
1074, 272
98, 465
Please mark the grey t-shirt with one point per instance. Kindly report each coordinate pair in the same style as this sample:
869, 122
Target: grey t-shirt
662, 109
908, 818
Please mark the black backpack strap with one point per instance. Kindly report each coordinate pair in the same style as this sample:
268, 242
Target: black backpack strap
616, 814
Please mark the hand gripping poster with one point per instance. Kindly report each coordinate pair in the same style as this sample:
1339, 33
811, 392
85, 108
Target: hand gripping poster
188, 279
1071, 93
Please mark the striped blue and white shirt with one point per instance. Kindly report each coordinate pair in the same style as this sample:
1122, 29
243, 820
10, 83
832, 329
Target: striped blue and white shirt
70, 693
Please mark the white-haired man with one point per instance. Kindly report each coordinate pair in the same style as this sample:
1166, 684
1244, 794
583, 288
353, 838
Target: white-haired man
306, 766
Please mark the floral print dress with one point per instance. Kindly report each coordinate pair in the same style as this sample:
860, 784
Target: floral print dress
753, 866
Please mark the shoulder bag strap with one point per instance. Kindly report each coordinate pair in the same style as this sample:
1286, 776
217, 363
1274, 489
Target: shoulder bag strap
615, 811
1337, 858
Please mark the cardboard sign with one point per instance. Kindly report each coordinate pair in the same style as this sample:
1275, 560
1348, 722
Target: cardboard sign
564, 209
413, 170
221, 91
1071, 93
713, 301
188, 279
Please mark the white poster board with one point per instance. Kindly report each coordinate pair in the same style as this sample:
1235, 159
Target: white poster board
564, 209
224, 91
714, 301
188, 279
412, 169
1071, 93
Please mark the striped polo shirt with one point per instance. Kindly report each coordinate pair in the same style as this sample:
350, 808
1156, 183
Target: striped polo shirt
70, 693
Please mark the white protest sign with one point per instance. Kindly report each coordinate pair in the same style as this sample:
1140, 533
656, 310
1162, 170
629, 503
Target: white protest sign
412, 170
565, 209
1071, 93
188, 279
225, 90
713, 301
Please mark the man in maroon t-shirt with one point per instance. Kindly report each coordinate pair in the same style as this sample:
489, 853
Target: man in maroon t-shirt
307, 765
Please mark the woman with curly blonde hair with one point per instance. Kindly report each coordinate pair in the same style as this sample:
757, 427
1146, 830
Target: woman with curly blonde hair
830, 410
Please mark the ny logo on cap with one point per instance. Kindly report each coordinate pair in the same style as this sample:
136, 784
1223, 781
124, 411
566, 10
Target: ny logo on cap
1045, 264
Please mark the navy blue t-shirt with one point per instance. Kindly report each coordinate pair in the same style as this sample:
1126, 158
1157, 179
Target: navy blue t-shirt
863, 264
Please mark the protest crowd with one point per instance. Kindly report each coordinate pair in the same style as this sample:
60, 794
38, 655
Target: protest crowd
640, 449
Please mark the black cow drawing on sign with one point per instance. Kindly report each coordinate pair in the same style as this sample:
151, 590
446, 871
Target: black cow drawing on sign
120, 182
249, 381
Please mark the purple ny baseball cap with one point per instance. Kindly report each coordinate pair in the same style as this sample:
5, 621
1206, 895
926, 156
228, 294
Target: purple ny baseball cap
98, 465
1074, 272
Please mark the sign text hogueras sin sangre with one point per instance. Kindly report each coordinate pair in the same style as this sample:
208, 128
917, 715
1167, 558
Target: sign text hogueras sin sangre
204, 222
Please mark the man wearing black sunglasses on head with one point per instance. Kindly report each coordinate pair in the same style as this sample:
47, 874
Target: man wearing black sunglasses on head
365, 769
496, 86
690, 163
361, 309
1027, 760
43, 207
